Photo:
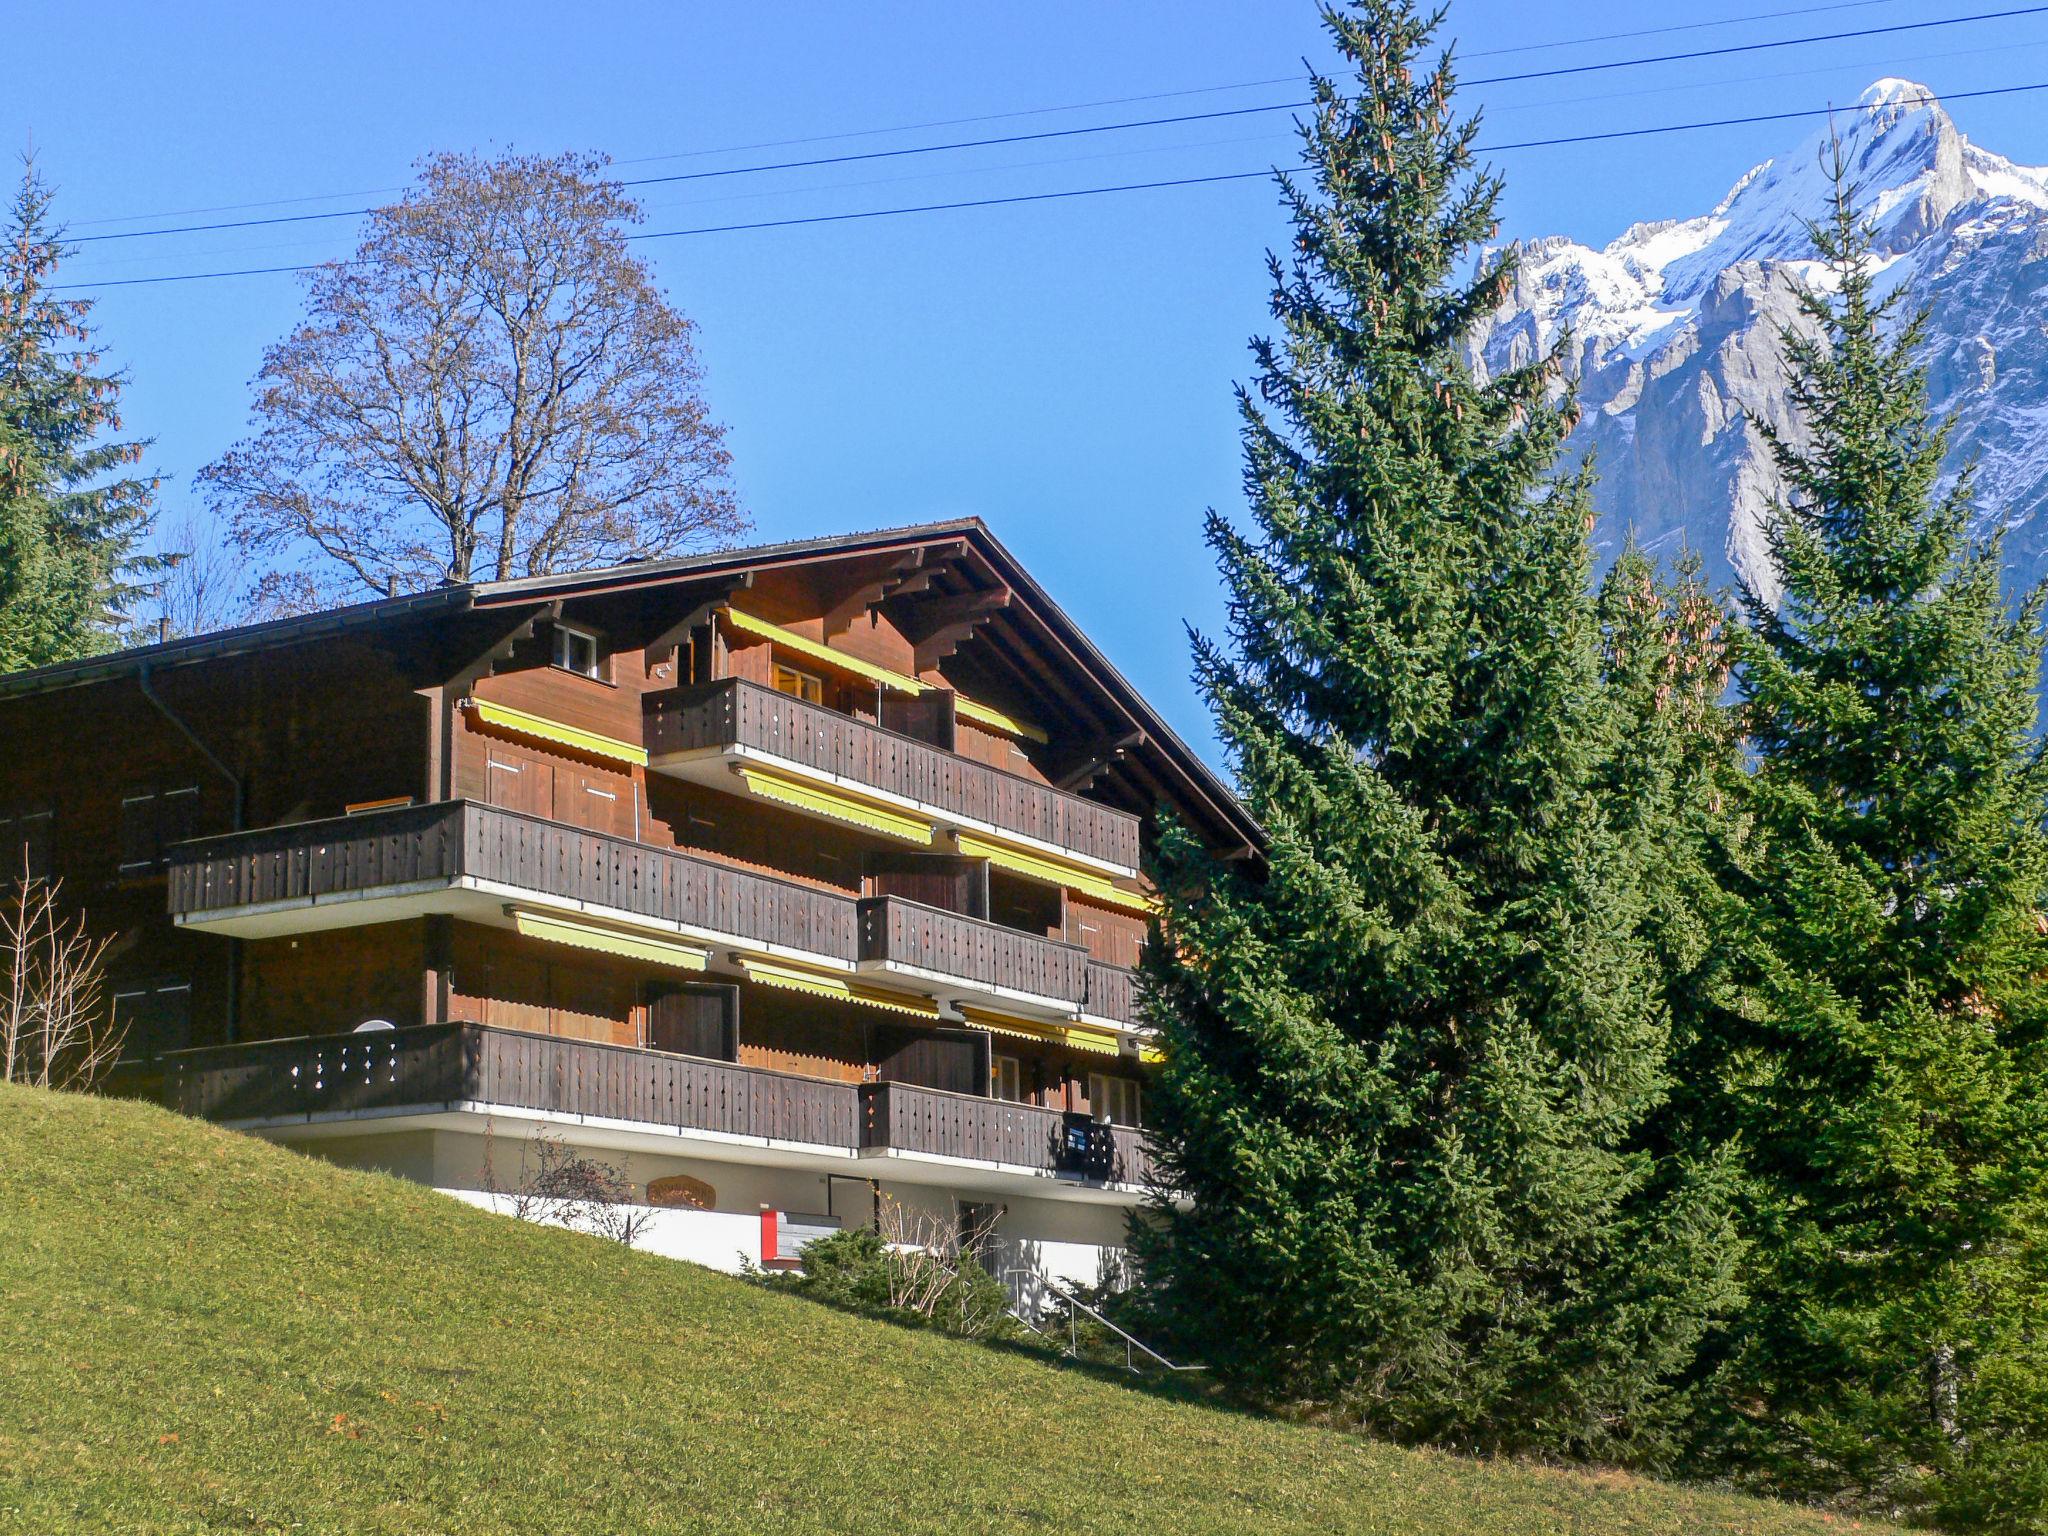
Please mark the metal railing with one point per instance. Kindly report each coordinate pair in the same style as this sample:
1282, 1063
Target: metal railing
1133, 1345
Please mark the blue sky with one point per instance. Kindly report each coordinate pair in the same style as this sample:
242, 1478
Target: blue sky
1063, 369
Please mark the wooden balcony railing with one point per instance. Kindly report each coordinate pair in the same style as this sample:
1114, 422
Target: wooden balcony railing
910, 933
1112, 994
400, 846
735, 713
445, 841
906, 1118
436, 1067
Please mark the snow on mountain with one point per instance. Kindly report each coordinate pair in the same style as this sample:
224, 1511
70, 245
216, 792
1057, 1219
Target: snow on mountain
1674, 330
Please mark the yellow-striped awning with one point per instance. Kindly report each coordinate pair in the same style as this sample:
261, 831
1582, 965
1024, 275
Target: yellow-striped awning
520, 723
881, 676
818, 651
995, 719
1042, 866
822, 801
1078, 1037
556, 929
794, 978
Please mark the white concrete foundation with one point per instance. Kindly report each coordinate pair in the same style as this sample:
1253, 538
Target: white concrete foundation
1036, 1240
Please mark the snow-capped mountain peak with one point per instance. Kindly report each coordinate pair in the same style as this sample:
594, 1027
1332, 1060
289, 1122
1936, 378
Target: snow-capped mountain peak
1675, 325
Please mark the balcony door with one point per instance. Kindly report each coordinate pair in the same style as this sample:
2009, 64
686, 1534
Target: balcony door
688, 1018
954, 1060
942, 880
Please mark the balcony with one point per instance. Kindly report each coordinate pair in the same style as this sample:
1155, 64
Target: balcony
472, 861
925, 944
708, 726
905, 1121
1112, 995
453, 1076
466, 859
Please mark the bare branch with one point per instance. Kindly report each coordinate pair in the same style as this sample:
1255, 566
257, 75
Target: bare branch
56, 1029
493, 378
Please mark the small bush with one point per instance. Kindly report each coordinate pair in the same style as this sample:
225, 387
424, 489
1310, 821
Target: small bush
925, 1287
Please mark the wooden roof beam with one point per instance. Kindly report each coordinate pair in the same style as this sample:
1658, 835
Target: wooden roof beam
939, 626
901, 572
1094, 758
481, 664
663, 646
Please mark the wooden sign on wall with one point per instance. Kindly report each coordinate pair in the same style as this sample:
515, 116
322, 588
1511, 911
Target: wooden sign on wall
679, 1191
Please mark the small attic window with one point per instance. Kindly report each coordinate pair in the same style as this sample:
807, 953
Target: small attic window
577, 651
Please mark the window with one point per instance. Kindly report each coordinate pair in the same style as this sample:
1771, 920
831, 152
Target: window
799, 685
151, 822
1117, 1099
577, 651
1006, 1076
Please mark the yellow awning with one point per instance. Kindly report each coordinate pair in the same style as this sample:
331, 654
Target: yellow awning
519, 722
843, 989
608, 941
821, 801
790, 640
1077, 1037
1151, 1055
995, 719
1040, 866
885, 677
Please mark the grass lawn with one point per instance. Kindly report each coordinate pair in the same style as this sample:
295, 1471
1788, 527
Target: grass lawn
199, 1332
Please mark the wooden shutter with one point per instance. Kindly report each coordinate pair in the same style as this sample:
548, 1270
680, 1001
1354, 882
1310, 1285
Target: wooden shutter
517, 782
154, 1015
594, 798
177, 817
943, 880
138, 833
954, 1060
25, 845
694, 1018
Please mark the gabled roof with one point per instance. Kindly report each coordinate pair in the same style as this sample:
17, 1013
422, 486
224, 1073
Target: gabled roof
1172, 762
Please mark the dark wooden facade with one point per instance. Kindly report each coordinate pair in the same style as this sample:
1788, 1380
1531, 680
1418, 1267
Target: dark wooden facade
411, 752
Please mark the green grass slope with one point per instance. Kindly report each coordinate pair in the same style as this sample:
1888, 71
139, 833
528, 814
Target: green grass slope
199, 1332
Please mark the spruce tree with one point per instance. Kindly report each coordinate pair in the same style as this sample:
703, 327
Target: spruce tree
1411, 1063
70, 516
1889, 1073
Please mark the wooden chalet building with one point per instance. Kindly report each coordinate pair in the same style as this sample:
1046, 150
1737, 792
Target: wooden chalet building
790, 877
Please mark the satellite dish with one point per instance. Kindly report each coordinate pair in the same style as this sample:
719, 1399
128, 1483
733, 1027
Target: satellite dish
370, 1026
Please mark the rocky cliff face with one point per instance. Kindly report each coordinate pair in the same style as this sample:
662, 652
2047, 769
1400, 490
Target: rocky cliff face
1674, 332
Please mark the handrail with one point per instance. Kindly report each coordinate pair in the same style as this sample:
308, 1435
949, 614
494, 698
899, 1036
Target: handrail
1131, 1341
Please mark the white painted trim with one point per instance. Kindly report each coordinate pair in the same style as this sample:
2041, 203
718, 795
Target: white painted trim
925, 1168
256, 909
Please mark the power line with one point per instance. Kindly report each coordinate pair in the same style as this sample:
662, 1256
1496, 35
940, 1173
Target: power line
1687, 26
1834, 66
1789, 42
103, 262
1154, 122
989, 117
1075, 192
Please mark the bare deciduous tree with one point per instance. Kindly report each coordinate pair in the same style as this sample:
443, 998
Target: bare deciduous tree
56, 1030
559, 1186
202, 585
493, 387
